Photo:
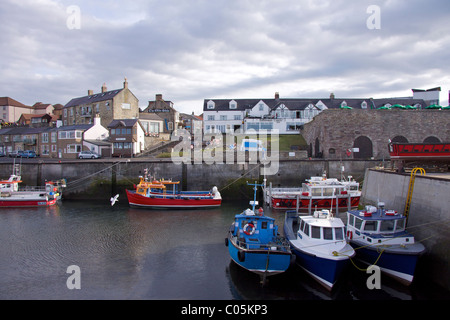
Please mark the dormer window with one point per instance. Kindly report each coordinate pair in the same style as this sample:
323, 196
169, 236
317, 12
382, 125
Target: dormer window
210, 104
363, 105
233, 104
344, 104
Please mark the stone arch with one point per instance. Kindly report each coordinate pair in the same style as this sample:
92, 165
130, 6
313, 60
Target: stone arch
431, 139
364, 144
317, 153
399, 139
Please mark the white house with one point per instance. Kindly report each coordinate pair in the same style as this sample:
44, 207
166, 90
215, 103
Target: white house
285, 115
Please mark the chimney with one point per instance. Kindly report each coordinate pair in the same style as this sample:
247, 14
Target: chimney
125, 83
277, 95
332, 96
104, 88
158, 97
90, 92
97, 120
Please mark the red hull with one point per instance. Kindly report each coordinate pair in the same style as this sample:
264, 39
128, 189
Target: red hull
423, 151
150, 202
329, 203
26, 203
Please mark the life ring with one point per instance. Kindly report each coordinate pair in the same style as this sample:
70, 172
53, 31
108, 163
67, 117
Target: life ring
349, 235
252, 229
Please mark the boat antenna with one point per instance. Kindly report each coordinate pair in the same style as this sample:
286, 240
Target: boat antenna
255, 188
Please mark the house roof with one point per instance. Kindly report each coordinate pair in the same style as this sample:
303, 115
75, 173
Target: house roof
96, 97
301, 104
123, 123
7, 101
149, 116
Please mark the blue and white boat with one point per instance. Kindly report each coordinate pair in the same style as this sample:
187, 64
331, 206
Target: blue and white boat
380, 238
254, 243
319, 244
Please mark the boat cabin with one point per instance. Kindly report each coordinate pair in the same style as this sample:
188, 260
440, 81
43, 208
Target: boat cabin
254, 230
374, 225
321, 226
10, 185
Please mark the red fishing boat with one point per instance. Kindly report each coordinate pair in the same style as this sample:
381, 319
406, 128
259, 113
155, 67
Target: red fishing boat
13, 196
316, 193
165, 194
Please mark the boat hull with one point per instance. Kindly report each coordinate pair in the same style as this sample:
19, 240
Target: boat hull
137, 200
398, 265
262, 262
325, 271
289, 203
20, 203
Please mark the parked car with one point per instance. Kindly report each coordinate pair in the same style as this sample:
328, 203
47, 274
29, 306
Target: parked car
28, 154
88, 155
15, 154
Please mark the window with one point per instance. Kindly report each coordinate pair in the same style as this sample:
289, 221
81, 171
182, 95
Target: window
358, 223
210, 105
306, 230
223, 118
73, 148
364, 105
264, 225
45, 137
53, 148
211, 118
371, 226
237, 117
261, 107
53, 137
126, 106
328, 233
400, 225
339, 233
387, 225
315, 232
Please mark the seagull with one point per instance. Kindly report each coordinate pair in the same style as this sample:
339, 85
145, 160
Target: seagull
114, 199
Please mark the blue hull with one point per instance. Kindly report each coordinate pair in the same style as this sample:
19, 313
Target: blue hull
256, 260
397, 265
326, 271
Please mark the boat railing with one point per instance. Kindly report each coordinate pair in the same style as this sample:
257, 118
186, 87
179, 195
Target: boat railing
32, 188
281, 244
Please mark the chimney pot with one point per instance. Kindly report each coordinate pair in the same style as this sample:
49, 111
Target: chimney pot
332, 95
90, 92
158, 97
277, 95
104, 88
125, 83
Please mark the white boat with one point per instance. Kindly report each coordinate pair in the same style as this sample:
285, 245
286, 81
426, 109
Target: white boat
320, 245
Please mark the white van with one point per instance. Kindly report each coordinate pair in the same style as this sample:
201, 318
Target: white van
252, 145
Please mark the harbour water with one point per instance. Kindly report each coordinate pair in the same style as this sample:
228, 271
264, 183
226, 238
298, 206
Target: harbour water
127, 253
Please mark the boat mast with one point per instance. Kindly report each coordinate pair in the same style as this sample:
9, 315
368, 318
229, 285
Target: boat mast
255, 187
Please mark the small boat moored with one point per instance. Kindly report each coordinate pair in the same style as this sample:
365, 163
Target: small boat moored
151, 193
11, 195
254, 243
315, 194
379, 237
320, 245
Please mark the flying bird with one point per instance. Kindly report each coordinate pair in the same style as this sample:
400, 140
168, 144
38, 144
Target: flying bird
114, 199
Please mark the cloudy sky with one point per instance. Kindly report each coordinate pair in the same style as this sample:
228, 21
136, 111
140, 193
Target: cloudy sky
191, 50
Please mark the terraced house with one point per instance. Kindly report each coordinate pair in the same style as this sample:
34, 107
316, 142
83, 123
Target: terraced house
109, 105
287, 115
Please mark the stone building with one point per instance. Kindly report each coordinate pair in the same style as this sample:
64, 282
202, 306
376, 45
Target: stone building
109, 105
165, 110
363, 134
